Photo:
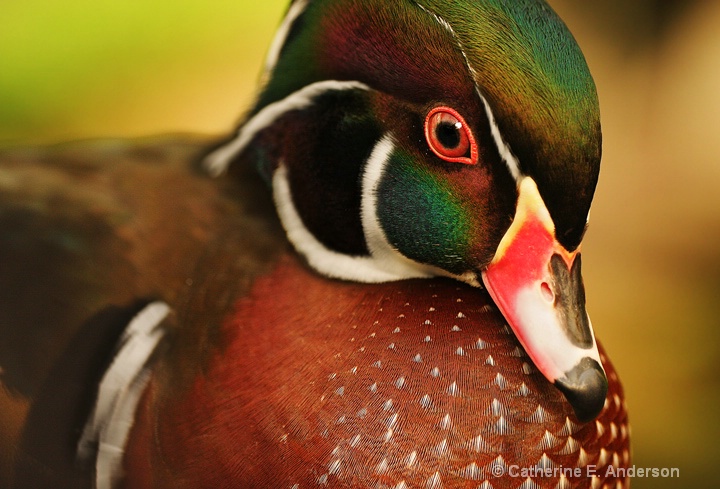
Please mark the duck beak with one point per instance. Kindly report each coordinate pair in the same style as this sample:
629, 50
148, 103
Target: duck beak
538, 287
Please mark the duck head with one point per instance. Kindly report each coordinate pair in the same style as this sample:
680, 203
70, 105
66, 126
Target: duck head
419, 138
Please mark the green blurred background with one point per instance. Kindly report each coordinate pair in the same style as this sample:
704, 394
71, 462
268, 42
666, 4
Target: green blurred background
86, 68
82, 68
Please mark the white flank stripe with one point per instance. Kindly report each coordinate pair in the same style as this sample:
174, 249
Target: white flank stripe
119, 394
218, 161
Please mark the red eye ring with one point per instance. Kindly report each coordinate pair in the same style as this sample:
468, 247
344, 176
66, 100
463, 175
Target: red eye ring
450, 137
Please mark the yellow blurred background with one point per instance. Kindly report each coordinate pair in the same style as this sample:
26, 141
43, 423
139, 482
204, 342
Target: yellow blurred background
99, 68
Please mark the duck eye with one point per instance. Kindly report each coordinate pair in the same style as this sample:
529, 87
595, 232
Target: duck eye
449, 136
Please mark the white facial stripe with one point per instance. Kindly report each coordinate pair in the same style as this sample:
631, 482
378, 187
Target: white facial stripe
505, 152
380, 248
295, 10
382, 252
366, 269
385, 263
440, 21
119, 394
218, 161
374, 168
503, 148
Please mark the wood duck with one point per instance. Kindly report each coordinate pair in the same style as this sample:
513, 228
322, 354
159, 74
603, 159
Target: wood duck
381, 288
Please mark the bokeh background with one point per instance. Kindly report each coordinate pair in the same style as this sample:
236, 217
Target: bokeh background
98, 68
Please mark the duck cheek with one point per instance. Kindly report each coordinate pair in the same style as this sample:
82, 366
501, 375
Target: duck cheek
423, 220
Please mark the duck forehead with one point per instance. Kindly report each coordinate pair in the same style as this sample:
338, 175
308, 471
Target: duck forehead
529, 68
521, 54
394, 47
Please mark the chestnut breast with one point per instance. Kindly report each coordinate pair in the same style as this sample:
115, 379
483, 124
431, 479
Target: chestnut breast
418, 383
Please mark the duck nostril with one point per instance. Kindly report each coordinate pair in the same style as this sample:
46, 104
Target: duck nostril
547, 292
